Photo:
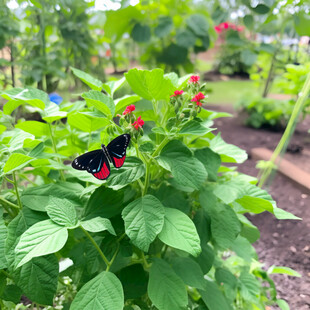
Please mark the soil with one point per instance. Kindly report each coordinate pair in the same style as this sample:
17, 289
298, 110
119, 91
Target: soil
282, 242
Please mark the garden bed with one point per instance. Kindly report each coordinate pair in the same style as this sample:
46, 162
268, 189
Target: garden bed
286, 242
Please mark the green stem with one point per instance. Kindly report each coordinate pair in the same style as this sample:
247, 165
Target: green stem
113, 258
288, 131
6, 274
96, 246
8, 203
160, 147
16, 190
55, 151
147, 179
145, 263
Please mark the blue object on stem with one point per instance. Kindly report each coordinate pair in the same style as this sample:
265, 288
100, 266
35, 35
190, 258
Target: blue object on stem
54, 97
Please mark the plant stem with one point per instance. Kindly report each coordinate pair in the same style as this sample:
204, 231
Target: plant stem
113, 258
147, 178
7, 203
6, 274
160, 147
16, 190
96, 246
288, 131
145, 263
55, 151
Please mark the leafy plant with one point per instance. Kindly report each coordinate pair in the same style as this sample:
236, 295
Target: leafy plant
165, 231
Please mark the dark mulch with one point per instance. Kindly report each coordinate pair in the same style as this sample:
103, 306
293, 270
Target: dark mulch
282, 242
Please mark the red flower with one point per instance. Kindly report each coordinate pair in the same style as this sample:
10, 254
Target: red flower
138, 123
194, 79
239, 28
129, 109
177, 93
198, 97
108, 53
218, 29
225, 25
199, 104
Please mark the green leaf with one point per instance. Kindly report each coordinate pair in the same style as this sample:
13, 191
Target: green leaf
55, 116
11, 105
165, 289
3, 234
37, 198
113, 86
141, 33
248, 57
132, 171
164, 27
248, 21
62, 211
198, 24
15, 162
144, 219
228, 152
250, 287
283, 270
100, 101
302, 23
86, 123
283, 305
87, 79
123, 102
205, 259
196, 128
243, 248
150, 85
97, 224
185, 38
187, 170
210, 160
248, 231
104, 202
261, 9
34, 97
103, 292
189, 271
12, 293
2, 129
38, 129
38, 279
180, 232
42, 238
213, 297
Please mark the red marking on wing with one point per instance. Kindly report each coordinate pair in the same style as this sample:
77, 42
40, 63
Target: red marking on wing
103, 173
119, 161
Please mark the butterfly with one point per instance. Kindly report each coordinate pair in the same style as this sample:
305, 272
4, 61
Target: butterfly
97, 162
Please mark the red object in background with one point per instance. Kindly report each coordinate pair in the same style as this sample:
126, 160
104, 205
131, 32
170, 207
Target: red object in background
138, 123
108, 53
194, 79
129, 109
226, 25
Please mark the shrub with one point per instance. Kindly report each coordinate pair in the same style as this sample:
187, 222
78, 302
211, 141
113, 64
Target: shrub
168, 230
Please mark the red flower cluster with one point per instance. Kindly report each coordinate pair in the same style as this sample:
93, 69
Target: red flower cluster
129, 109
194, 79
138, 123
177, 93
198, 99
224, 26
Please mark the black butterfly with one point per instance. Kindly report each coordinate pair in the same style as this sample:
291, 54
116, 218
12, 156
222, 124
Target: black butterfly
97, 162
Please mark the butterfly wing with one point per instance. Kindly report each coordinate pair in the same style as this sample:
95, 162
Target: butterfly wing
99, 167
82, 162
117, 149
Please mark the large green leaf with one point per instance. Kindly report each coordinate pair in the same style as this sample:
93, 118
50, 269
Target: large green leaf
3, 234
213, 297
151, 85
144, 219
196, 128
38, 129
112, 86
16, 161
103, 292
165, 25
141, 33
34, 97
38, 279
132, 171
186, 38
302, 23
165, 289
37, 198
86, 122
210, 160
228, 152
97, 224
87, 79
123, 102
100, 101
198, 24
62, 211
283, 270
180, 232
205, 259
189, 271
104, 202
42, 238
187, 170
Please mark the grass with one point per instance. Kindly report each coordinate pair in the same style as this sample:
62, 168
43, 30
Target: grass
229, 92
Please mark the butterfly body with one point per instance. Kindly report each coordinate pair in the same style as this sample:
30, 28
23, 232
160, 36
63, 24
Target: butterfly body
97, 162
